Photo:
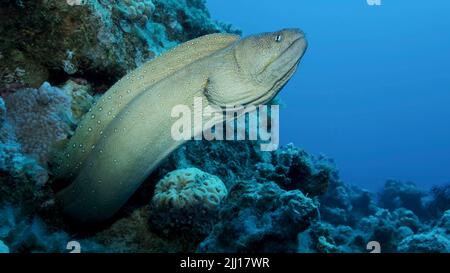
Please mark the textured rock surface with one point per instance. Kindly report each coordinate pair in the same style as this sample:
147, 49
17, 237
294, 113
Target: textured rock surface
25, 233
396, 194
99, 40
260, 217
289, 167
21, 177
133, 234
352, 217
430, 242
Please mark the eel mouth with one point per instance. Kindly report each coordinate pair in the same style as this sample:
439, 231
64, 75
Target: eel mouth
296, 45
278, 85
296, 42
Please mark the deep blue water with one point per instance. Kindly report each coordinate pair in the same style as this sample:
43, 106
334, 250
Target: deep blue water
373, 90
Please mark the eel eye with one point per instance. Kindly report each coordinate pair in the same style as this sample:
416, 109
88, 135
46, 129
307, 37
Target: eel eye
278, 39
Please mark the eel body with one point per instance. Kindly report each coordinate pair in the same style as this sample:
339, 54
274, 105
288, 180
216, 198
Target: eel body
128, 132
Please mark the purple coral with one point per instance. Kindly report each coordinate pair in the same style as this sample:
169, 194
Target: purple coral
40, 117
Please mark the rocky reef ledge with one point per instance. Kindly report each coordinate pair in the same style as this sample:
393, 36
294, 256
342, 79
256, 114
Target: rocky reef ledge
96, 40
59, 56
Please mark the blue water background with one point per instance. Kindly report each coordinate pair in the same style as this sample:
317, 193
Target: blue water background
373, 90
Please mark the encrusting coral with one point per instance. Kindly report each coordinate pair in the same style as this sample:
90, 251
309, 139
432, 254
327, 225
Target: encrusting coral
186, 200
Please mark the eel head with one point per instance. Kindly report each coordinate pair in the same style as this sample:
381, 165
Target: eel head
266, 62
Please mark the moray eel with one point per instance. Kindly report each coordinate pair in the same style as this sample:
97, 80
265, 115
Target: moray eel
127, 133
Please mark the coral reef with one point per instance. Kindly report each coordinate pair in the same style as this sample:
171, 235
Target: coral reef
344, 204
136, 11
402, 195
21, 177
186, 200
40, 117
348, 223
133, 234
430, 242
99, 40
435, 240
25, 234
260, 217
290, 167
282, 201
440, 201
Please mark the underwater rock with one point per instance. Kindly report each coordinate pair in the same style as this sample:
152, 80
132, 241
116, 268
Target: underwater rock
227, 160
382, 227
289, 167
98, 40
40, 117
397, 194
27, 233
133, 234
433, 241
135, 11
386, 228
187, 19
322, 237
397, 230
444, 223
260, 217
292, 168
345, 204
440, 201
186, 200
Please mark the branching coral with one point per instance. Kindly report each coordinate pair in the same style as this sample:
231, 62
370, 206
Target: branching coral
185, 200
